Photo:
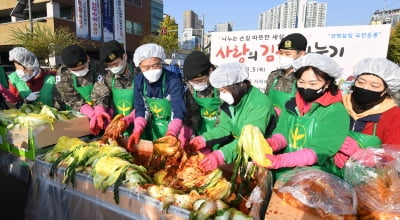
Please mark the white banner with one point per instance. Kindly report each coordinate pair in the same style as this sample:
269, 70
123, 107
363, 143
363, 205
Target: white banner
81, 19
259, 49
119, 21
95, 20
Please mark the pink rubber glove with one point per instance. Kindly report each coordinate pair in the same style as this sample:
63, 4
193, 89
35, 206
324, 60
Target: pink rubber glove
8, 95
304, 157
184, 135
174, 127
277, 142
88, 111
139, 125
349, 147
197, 143
212, 161
129, 119
102, 117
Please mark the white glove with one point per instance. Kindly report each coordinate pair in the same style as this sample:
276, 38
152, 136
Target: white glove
33, 96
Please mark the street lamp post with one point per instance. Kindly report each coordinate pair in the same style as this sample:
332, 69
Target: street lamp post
30, 15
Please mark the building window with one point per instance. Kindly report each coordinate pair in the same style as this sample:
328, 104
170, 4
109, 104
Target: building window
137, 3
133, 28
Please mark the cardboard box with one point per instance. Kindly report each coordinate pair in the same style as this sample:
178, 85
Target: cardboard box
17, 139
280, 210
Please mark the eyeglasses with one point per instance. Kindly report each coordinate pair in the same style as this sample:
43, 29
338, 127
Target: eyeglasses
152, 66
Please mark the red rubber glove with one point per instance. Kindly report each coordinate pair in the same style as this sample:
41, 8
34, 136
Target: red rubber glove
9, 96
139, 125
304, 157
212, 161
369, 156
129, 119
277, 142
349, 147
174, 127
197, 143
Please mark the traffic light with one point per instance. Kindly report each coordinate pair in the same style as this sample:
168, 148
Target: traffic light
164, 31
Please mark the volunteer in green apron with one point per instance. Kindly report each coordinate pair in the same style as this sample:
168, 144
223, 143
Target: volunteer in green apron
159, 104
119, 78
314, 124
374, 114
78, 80
243, 104
202, 101
281, 83
29, 81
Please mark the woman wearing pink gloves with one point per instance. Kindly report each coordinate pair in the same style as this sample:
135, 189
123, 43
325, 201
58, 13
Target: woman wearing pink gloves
314, 124
243, 104
158, 97
374, 114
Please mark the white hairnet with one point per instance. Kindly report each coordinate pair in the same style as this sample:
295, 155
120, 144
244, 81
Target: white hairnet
382, 67
322, 62
147, 51
24, 57
228, 74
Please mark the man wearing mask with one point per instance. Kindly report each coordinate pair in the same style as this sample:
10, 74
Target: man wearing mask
29, 83
119, 79
202, 100
281, 83
159, 104
77, 81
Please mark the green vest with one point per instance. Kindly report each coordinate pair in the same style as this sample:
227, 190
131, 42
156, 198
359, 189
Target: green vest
208, 111
161, 112
46, 92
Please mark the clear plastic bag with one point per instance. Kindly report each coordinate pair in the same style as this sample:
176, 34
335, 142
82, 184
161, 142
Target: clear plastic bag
319, 192
375, 174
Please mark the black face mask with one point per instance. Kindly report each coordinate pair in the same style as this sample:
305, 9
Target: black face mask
365, 97
310, 95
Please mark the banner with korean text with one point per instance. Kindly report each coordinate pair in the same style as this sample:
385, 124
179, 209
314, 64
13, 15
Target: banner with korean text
95, 20
108, 20
258, 49
119, 21
81, 19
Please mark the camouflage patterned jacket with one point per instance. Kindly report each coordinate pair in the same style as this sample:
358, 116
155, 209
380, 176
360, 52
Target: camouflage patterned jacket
284, 83
65, 86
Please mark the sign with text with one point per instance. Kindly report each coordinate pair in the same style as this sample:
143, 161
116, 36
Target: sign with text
82, 19
95, 20
119, 21
258, 49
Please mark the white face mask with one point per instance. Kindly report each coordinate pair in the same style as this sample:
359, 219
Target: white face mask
118, 69
82, 72
285, 62
25, 77
153, 75
227, 97
199, 86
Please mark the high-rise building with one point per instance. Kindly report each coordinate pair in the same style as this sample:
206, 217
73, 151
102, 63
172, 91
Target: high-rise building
294, 14
386, 17
157, 11
192, 31
222, 27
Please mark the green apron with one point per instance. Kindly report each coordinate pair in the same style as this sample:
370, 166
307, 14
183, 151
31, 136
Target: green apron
365, 140
46, 92
279, 98
122, 99
84, 91
161, 112
208, 111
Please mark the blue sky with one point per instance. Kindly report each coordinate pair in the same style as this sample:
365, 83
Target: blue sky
244, 14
